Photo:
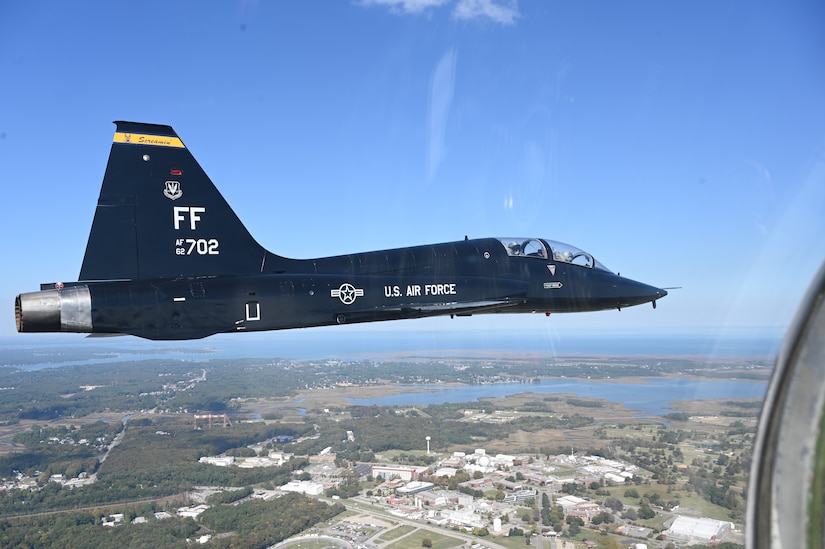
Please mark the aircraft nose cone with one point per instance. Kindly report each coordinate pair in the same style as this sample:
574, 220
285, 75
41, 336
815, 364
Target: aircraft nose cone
636, 293
653, 292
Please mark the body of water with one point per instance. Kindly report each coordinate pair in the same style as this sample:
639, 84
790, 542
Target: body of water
649, 396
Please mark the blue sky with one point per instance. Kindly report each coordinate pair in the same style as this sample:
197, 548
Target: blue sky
681, 143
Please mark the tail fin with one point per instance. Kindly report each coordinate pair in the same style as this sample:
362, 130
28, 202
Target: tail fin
160, 216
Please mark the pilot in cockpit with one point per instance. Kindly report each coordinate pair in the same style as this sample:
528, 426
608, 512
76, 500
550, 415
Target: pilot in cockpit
565, 256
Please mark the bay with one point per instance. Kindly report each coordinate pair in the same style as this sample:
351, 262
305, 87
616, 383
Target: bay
649, 396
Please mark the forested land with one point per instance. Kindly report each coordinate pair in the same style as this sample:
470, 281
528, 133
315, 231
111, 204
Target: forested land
149, 462
247, 525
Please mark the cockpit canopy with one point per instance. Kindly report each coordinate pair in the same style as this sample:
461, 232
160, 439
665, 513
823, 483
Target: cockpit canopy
550, 250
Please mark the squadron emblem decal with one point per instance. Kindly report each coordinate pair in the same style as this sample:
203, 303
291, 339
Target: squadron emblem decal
172, 190
347, 293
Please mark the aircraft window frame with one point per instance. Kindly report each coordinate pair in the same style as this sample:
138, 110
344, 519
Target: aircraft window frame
566, 253
551, 250
525, 247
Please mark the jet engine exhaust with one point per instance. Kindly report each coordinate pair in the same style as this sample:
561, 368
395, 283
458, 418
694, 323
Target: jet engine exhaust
65, 310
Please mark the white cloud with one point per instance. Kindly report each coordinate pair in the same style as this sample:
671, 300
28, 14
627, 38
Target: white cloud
442, 86
405, 6
504, 12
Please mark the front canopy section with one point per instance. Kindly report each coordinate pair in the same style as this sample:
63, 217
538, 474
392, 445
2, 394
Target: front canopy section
550, 250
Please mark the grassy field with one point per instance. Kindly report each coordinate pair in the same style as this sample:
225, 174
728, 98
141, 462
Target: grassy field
413, 541
687, 500
396, 533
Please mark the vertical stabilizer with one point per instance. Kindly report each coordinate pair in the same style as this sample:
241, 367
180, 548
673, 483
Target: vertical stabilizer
160, 216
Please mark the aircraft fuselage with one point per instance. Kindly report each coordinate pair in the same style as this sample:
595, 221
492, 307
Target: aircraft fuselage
167, 258
459, 278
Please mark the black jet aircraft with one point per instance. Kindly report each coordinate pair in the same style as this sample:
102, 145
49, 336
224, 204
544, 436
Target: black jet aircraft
167, 258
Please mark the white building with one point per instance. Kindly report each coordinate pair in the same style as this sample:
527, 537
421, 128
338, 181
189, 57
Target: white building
445, 472
387, 472
304, 487
504, 460
280, 457
568, 502
464, 519
618, 479
257, 461
192, 511
414, 487
266, 495
113, 520
437, 498
696, 530
520, 495
220, 461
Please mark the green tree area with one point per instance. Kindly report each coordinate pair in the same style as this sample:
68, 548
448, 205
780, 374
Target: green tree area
583, 403
151, 463
125, 486
229, 496
382, 428
168, 443
717, 472
60, 450
248, 525
208, 385
252, 524
349, 487
83, 529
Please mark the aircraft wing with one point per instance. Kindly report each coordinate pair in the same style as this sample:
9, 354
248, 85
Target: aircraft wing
419, 310
460, 307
